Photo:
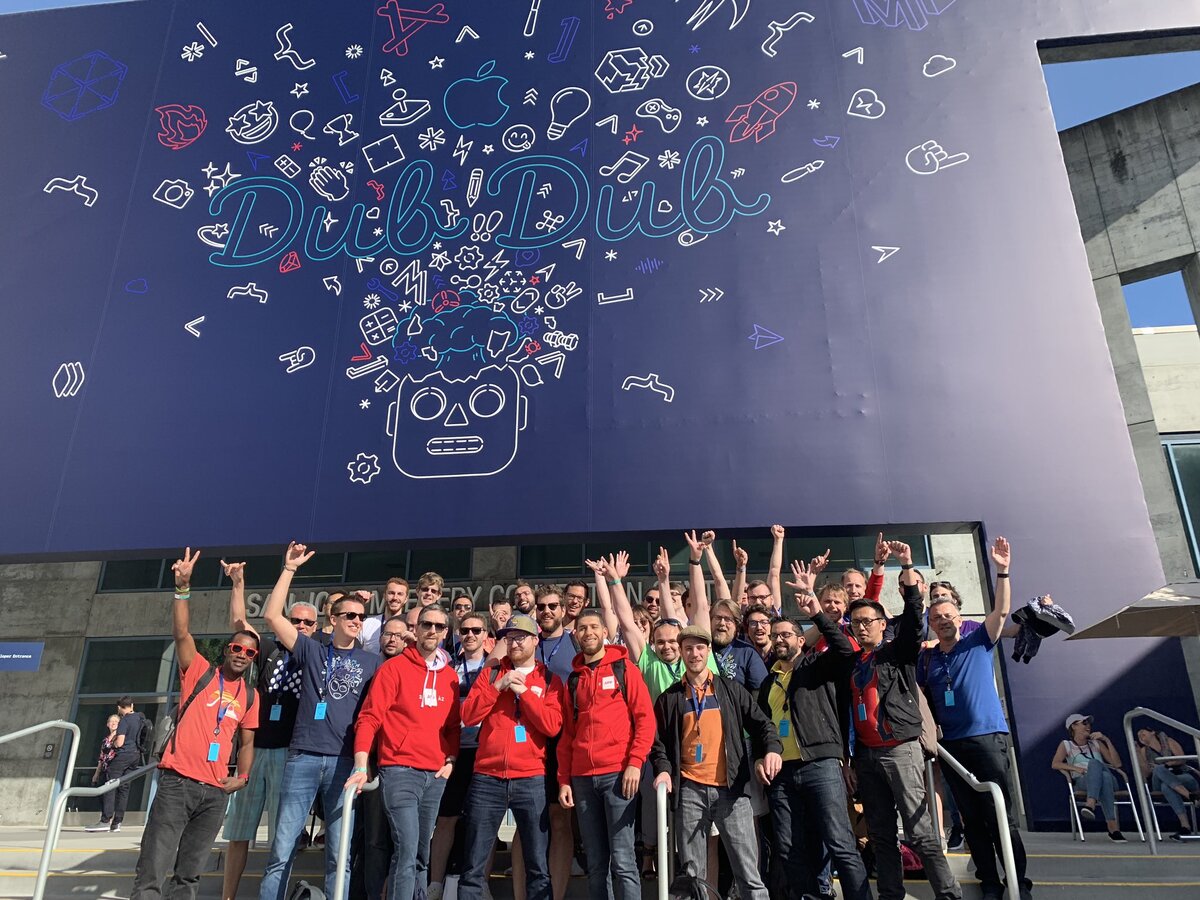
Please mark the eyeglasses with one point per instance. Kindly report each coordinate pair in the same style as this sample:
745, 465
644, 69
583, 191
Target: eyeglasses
433, 626
757, 597
350, 616
577, 599
389, 635
864, 622
470, 631
517, 637
729, 619
243, 650
758, 623
545, 606
297, 621
783, 634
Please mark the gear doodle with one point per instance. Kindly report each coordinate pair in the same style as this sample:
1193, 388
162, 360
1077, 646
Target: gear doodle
363, 468
469, 258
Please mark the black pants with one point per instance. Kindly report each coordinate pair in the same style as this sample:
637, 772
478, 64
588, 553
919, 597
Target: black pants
114, 802
183, 823
986, 757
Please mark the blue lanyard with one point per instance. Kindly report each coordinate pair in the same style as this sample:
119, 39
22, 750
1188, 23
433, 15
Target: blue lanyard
542, 647
468, 678
947, 669
697, 701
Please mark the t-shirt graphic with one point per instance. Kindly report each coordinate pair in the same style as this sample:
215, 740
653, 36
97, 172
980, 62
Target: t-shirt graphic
345, 677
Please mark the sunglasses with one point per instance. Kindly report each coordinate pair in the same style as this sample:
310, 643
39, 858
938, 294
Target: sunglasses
544, 606
470, 631
243, 650
351, 616
297, 621
433, 626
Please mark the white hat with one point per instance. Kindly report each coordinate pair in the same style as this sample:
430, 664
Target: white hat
1076, 717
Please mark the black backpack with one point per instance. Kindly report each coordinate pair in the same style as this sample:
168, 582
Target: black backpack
145, 739
168, 736
618, 668
688, 887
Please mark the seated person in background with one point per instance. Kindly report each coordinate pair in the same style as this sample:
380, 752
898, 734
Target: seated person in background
1177, 782
1085, 758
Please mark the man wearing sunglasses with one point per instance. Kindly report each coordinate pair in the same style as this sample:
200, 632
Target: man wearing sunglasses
411, 719
278, 688
194, 780
333, 684
518, 705
888, 759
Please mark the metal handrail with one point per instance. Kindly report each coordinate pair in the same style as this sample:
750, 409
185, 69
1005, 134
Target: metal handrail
1143, 785
58, 810
44, 726
664, 877
1013, 888
349, 793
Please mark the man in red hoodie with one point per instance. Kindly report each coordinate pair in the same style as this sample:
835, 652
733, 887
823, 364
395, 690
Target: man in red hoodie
411, 719
519, 705
608, 727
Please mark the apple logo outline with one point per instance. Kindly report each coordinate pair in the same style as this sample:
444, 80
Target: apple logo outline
468, 113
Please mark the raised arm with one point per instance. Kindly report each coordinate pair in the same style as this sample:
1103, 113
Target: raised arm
185, 644
720, 585
740, 560
776, 565
635, 643
285, 632
604, 598
994, 623
617, 570
666, 600
238, 620
696, 586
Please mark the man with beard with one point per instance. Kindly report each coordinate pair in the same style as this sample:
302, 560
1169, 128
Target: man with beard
575, 598
195, 784
519, 706
413, 710
395, 596
523, 599
608, 727
756, 623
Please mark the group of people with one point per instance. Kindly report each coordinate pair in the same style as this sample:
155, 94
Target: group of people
761, 727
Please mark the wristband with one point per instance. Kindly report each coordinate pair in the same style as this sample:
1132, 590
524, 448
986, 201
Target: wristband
1001, 574
615, 582
741, 568
449, 761
245, 778
906, 568
291, 569
694, 562
182, 595
359, 769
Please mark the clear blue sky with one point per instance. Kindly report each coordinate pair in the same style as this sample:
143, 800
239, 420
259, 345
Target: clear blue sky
1079, 92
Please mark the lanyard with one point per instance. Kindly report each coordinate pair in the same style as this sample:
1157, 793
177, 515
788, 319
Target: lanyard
542, 648
947, 668
697, 701
220, 695
674, 668
864, 670
326, 675
468, 677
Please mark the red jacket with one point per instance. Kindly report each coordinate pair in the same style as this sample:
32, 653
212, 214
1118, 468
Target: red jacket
500, 754
611, 731
410, 733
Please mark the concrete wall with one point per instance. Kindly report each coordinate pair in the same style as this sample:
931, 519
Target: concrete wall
1170, 360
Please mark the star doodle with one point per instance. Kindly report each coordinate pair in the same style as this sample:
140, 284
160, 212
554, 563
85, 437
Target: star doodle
814, 104
297, 146
378, 232
430, 139
364, 404
210, 169
776, 227
354, 51
610, 255
538, 310
437, 245
372, 301
534, 279
702, 121
529, 54
405, 306
695, 48
669, 159
192, 52
436, 63
488, 148
300, 89
632, 135
219, 180
329, 221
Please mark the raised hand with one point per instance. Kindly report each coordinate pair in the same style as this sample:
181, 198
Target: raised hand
596, 565
707, 538
740, 557
296, 556
235, 572
777, 532
804, 577
882, 550
696, 545
818, 563
183, 568
619, 565
1001, 553
901, 551
662, 565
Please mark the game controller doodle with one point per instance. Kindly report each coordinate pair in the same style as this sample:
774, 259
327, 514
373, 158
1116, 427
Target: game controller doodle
668, 117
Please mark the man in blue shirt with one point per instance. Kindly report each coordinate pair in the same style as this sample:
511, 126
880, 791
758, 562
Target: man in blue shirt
960, 681
334, 680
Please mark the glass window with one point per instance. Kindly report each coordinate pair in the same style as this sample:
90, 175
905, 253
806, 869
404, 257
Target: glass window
551, 561
639, 554
1183, 458
205, 576
364, 569
453, 564
127, 666
131, 575
324, 568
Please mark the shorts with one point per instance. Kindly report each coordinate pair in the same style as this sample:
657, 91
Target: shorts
261, 791
454, 797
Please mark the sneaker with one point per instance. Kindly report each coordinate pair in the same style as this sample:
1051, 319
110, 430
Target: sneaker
1087, 814
99, 826
434, 891
1182, 834
1116, 837
956, 839
116, 826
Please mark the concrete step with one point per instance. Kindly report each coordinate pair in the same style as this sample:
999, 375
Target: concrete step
100, 866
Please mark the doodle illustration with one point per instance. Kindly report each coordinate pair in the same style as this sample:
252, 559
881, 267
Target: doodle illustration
77, 185
68, 379
180, 126
757, 118
476, 101
84, 85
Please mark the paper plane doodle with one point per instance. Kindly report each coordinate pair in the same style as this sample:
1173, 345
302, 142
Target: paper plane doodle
757, 118
84, 85
764, 337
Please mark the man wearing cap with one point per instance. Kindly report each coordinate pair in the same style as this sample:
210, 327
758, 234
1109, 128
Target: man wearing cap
518, 705
960, 681
699, 754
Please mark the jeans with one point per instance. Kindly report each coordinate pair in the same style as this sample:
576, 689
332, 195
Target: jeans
808, 805
305, 775
606, 825
114, 802
986, 757
411, 798
892, 780
1162, 779
180, 831
487, 800
371, 847
1101, 785
698, 807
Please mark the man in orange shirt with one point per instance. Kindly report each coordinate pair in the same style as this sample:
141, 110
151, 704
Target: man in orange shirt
194, 783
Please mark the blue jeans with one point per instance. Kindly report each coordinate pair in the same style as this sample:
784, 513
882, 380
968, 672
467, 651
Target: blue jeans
411, 798
808, 805
487, 799
1101, 786
606, 825
304, 776
1164, 780
697, 808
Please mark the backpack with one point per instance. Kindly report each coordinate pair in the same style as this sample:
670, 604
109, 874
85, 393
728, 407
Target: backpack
305, 891
167, 734
145, 739
618, 668
913, 867
689, 887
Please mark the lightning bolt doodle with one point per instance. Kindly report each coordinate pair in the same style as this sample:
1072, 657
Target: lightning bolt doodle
461, 149
495, 265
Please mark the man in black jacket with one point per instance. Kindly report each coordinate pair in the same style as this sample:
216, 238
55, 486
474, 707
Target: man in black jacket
809, 797
699, 754
887, 731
